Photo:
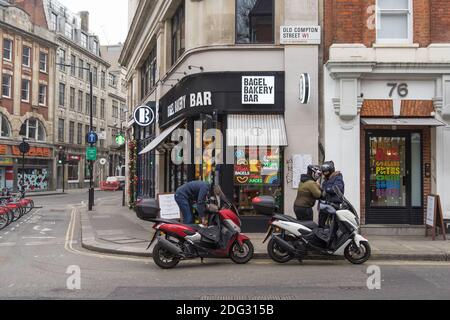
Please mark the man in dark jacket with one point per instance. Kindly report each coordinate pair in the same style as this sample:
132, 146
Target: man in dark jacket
332, 179
198, 192
308, 193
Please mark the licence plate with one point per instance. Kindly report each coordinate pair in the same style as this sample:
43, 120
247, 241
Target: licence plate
269, 233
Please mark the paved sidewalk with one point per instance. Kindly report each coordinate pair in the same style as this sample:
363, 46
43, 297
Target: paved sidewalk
114, 229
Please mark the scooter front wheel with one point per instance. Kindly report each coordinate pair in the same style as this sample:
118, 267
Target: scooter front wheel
277, 254
242, 255
163, 258
357, 255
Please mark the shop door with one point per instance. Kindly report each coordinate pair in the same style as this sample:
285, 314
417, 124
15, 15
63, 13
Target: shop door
394, 183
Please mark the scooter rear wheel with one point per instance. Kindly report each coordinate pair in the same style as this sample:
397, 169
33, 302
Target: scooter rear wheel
163, 258
277, 254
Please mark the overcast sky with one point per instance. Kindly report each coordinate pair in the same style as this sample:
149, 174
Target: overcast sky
108, 18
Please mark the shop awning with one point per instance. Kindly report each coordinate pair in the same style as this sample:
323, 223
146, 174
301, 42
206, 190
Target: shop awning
426, 122
160, 139
256, 131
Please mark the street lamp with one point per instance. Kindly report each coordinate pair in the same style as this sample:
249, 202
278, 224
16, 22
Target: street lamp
62, 160
91, 162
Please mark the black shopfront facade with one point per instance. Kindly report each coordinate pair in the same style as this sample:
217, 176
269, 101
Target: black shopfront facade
216, 101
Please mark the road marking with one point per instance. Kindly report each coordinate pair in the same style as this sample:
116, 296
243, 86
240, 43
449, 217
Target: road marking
69, 243
11, 285
37, 238
8, 244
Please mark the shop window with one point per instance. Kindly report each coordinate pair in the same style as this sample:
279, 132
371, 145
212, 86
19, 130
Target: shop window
254, 21
73, 171
5, 128
388, 169
257, 172
178, 33
394, 21
34, 179
33, 129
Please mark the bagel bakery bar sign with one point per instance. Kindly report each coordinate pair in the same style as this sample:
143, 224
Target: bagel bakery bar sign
258, 90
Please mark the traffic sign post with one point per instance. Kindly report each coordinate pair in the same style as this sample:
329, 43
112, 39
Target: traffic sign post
92, 138
91, 154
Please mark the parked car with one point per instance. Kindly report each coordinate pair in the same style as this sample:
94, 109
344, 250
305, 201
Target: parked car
146, 208
113, 184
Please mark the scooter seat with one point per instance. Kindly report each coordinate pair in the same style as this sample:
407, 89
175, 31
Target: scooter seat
309, 224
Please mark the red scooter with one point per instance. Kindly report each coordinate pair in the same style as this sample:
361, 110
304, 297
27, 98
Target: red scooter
222, 239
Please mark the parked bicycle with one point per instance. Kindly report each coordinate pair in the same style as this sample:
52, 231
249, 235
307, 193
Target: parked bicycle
13, 207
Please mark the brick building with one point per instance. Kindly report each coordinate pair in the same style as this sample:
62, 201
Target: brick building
27, 99
387, 97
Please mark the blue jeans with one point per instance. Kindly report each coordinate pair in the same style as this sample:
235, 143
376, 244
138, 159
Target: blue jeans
185, 208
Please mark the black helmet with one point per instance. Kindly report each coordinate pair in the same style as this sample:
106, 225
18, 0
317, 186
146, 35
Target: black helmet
328, 167
314, 172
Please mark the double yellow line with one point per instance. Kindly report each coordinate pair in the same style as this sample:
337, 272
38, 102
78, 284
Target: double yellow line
68, 246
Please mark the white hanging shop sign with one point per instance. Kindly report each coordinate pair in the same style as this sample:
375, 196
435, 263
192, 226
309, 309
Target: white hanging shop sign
300, 35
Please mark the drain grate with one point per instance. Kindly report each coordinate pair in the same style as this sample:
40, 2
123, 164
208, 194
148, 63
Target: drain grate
248, 298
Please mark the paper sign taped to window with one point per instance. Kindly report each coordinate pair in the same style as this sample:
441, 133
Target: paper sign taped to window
300, 166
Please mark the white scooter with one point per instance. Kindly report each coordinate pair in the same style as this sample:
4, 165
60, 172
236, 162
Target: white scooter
293, 239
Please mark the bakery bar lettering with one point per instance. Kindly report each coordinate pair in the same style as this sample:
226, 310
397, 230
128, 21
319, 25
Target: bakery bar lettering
258, 90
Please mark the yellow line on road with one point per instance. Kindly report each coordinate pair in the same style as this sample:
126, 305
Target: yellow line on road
69, 244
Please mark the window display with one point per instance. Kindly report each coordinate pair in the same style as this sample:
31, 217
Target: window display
387, 171
257, 172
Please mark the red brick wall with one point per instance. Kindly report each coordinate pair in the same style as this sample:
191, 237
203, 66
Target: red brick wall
345, 21
422, 22
426, 148
440, 21
35, 8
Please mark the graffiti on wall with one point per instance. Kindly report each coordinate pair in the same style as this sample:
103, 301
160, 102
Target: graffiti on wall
35, 179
